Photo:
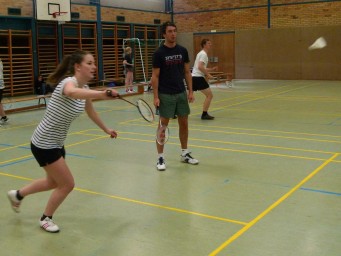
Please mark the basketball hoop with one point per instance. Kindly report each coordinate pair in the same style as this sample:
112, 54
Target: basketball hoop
56, 14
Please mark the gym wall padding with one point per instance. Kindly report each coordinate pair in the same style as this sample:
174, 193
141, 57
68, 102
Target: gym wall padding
283, 54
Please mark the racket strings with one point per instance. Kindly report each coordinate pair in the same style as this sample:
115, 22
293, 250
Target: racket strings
162, 134
145, 110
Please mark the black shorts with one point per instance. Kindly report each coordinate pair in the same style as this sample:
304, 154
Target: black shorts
47, 156
199, 83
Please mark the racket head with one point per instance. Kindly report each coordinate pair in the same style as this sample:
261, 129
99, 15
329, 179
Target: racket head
162, 134
145, 110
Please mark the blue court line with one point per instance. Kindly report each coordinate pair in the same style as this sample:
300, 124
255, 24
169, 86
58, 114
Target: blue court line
28, 147
81, 156
16, 162
321, 191
227, 181
30, 158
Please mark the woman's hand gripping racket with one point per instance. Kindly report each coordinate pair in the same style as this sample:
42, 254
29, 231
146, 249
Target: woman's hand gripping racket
142, 106
162, 132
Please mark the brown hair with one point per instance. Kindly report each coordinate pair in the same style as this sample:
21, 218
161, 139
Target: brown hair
204, 41
66, 67
165, 25
127, 50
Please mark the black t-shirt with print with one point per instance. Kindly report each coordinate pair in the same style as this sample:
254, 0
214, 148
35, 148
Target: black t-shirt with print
128, 58
171, 62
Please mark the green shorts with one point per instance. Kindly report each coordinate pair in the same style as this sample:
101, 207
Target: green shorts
174, 104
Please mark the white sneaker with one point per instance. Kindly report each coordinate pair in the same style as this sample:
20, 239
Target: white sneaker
48, 225
15, 203
161, 165
187, 158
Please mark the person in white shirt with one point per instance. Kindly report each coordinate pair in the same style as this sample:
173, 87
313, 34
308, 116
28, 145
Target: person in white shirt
3, 116
200, 75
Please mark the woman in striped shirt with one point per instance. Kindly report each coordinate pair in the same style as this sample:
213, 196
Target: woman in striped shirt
70, 98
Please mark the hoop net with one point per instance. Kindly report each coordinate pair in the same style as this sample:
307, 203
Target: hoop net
56, 16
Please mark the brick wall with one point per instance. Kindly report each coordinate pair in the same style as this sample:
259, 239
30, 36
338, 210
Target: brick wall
131, 16
25, 5
89, 12
231, 15
85, 12
303, 15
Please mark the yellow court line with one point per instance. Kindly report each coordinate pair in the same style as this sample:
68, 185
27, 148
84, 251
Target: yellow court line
15, 176
70, 145
161, 206
258, 153
254, 93
279, 111
13, 147
98, 137
264, 146
227, 149
251, 129
12, 127
269, 209
230, 149
141, 202
268, 135
257, 134
258, 98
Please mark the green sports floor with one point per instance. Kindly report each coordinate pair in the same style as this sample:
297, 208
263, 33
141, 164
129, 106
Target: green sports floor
268, 182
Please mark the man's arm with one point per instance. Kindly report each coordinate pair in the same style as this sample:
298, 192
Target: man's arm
188, 79
155, 84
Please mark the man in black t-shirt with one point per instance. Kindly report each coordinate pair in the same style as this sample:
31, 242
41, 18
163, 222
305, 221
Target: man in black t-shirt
170, 69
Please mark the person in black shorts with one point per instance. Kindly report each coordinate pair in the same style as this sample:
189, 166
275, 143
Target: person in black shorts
170, 69
129, 69
69, 100
200, 75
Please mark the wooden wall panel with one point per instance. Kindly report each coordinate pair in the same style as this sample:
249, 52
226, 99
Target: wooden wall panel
284, 54
222, 49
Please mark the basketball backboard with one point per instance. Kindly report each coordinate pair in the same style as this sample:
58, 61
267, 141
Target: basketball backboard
57, 10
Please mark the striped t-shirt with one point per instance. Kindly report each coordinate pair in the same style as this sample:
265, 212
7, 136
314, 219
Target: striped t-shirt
61, 111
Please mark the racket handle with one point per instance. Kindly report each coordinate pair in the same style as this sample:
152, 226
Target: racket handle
109, 93
157, 111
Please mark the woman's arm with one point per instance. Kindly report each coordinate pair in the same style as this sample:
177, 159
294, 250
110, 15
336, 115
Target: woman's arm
70, 90
89, 108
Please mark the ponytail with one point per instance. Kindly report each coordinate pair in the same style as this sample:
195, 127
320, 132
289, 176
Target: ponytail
66, 67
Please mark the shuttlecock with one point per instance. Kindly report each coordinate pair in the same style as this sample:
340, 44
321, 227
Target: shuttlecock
318, 44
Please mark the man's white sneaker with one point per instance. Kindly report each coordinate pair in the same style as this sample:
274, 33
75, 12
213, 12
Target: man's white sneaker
187, 158
48, 225
161, 165
15, 203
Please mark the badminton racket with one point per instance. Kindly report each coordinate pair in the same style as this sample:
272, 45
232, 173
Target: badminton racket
142, 106
162, 133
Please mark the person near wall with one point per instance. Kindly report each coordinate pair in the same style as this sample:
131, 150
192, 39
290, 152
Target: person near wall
129, 69
170, 69
4, 118
40, 85
200, 76
69, 100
